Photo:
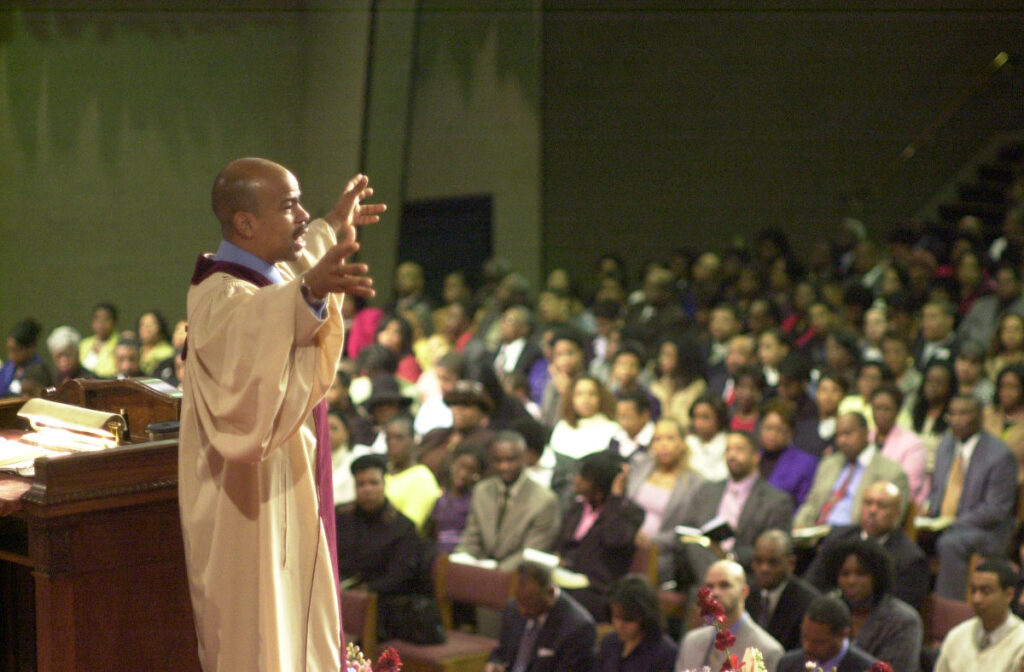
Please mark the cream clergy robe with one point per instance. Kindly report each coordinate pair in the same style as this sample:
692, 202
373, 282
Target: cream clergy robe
260, 573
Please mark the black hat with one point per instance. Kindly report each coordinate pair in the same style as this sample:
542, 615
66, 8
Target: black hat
469, 393
385, 391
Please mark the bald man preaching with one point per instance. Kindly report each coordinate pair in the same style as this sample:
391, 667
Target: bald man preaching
254, 466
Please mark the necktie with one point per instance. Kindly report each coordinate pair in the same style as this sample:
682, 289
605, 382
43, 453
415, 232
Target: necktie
526, 646
765, 616
502, 505
837, 495
986, 640
954, 488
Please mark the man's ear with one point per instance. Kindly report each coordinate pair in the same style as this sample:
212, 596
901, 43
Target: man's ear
243, 225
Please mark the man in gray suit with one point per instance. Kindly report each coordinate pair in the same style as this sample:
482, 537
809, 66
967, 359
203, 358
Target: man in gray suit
728, 584
510, 511
843, 476
746, 501
975, 481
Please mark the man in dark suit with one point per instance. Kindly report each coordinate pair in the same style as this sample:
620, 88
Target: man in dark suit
825, 633
515, 353
975, 482
543, 629
780, 598
741, 351
938, 340
880, 520
746, 501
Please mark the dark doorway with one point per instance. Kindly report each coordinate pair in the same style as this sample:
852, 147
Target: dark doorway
445, 235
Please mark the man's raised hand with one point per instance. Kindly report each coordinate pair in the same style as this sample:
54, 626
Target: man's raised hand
350, 211
332, 274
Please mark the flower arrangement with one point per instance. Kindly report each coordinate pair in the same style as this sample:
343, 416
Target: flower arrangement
357, 662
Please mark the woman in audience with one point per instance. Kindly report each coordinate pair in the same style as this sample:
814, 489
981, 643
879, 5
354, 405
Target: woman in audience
875, 324
451, 510
663, 484
896, 355
1007, 344
395, 333
411, 487
745, 411
883, 625
1008, 410
815, 435
638, 642
898, 443
585, 426
870, 376
706, 440
772, 348
928, 410
154, 341
341, 457
598, 530
783, 464
679, 378
842, 352
970, 373
96, 352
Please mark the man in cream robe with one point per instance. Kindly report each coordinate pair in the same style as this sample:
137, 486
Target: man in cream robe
264, 340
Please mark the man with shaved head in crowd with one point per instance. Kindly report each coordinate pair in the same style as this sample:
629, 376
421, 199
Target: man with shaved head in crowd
255, 490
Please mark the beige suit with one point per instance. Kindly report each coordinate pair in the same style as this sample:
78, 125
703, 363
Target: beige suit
531, 520
259, 568
880, 468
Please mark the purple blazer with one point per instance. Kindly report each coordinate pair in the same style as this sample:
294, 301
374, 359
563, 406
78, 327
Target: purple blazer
794, 473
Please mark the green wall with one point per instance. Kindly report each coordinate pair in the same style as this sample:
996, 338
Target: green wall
114, 123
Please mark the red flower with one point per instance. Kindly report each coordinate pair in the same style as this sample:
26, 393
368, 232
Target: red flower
724, 639
732, 664
881, 666
390, 662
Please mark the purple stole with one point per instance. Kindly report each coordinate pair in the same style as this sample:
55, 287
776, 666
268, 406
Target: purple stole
207, 266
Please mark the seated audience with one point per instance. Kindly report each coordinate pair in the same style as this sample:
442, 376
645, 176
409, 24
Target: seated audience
929, 407
979, 324
96, 352
778, 598
664, 485
741, 351
843, 476
23, 362
470, 407
783, 464
510, 512
816, 435
127, 356
385, 402
154, 338
970, 373
897, 443
448, 519
585, 426
516, 354
896, 355
975, 483
410, 487
567, 361
379, 549
636, 428
706, 440
745, 411
63, 345
1007, 344
880, 520
825, 641
772, 348
728, 584
994, 638
1006, 416
637, 642
395, 333
938, 342
627, 365
678, 377
598, 530
880, 623
543, 628
747, 502
870, 376
434, 413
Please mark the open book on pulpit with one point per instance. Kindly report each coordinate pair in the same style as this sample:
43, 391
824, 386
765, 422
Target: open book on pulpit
59, 429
